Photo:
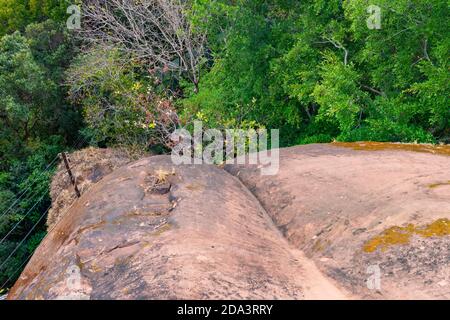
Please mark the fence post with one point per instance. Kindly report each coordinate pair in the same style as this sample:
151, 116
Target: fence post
72, 179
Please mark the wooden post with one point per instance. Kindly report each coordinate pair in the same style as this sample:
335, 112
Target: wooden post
72, 179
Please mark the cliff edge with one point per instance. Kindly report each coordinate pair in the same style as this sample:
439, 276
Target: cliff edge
337, 222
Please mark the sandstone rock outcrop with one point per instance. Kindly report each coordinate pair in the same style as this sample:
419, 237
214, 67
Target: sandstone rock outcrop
319, 229
131, 237
89, 166
361, 208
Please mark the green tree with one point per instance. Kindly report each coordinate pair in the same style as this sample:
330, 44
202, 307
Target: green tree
316, 68
24, 92
15, 15
36, 122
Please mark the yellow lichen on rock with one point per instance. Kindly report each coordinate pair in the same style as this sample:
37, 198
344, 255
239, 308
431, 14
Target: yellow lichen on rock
401, 235
381, 146
439, 228
438, 184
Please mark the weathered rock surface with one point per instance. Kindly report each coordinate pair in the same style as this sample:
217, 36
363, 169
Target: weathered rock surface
151, 230
206, 238
354, 208
88, 166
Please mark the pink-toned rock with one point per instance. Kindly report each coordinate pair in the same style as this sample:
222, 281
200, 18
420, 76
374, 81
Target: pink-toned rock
330, 201
335, 222
206, 238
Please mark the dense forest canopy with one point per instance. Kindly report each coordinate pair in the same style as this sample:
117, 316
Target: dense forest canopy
318, 70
